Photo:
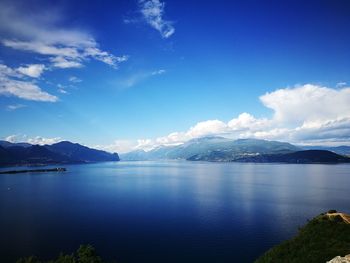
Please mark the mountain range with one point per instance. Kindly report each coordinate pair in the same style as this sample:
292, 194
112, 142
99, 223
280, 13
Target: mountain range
213, 148
206, 146
221, 149
64, 152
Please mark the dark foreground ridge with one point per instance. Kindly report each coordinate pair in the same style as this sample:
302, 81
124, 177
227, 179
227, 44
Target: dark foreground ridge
34, 171
303, 157
307, 156
320, 240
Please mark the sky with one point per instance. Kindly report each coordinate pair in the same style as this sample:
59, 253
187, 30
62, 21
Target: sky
137, 74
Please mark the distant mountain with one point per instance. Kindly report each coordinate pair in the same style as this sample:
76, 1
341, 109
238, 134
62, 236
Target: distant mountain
343, 150
307, 156
137, 155
34, 154
7, 144
219, 149
80, 153
213, 149
59, 153
244, 148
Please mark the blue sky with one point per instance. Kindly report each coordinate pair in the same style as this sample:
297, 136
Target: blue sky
123, 75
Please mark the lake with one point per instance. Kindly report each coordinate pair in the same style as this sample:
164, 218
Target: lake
174, 211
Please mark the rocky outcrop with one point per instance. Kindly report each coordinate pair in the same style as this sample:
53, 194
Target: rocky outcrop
340, 259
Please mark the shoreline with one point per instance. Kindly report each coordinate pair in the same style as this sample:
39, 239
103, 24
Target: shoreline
34, 171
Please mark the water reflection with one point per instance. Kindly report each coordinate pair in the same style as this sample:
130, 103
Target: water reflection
166, 211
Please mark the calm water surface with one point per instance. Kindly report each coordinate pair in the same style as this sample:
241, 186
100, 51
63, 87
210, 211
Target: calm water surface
165, 211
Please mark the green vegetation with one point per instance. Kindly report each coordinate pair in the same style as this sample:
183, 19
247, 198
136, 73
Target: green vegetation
323, 238
84, 254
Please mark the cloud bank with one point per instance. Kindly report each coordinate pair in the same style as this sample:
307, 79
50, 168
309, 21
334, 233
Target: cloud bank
307, 114
32, 140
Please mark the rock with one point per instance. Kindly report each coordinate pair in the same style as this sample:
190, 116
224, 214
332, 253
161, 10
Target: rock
340, 259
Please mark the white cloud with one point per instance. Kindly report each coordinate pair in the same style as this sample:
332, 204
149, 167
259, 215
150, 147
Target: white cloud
209, 127
24, 90
153, 12
62, 62
6, 71
308, 114
32, 140
11, 138
12, 85
32, 70
14, 107
247, 121
119, 146
42, 141
294, 106
103, 56
42, 34
43, 48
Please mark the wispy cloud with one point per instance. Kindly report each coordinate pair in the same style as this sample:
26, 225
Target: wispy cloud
63, 91
74, 79
303, 114
158, 72
139, 77
14, 107
12, 84
153, 12
65, 55
64, 62
24, 90
42, 34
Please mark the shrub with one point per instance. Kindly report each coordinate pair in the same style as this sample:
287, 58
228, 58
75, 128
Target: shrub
84, 254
